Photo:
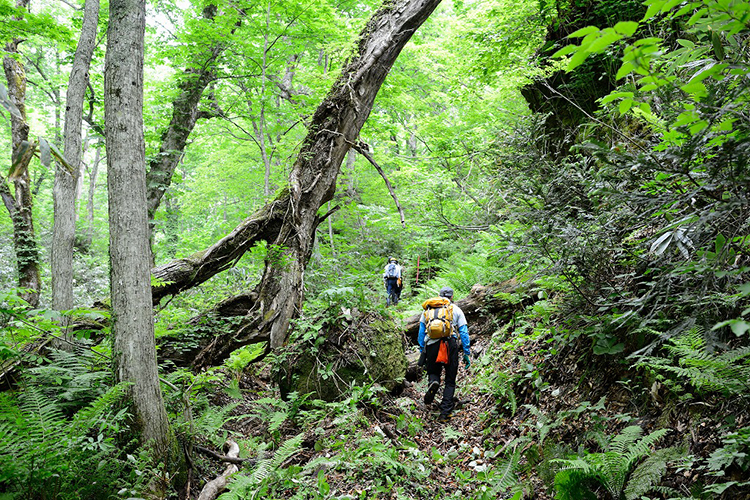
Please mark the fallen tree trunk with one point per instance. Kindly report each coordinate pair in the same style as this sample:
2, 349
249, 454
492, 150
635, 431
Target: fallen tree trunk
183, 274
486, 308
289, 222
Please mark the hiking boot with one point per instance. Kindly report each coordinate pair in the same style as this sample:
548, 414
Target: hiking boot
429, 396
444, 417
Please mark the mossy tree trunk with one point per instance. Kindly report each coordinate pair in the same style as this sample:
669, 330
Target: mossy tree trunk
19, 202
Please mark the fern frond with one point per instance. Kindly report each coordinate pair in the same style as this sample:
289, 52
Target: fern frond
317, 462
623, 441
613, 470
69, 361
95, 412
727, 372
647, 475
643, 446
277, 420
286, 450
44, 417
239, 488
212, 419
735, 355
505, 476
575, 464
11, 441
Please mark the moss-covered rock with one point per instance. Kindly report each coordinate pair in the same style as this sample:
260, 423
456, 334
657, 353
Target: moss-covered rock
374, 354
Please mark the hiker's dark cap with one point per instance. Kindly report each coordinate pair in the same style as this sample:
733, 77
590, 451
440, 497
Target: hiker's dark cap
446, 292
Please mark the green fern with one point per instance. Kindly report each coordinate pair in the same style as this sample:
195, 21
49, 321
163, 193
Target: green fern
70, 379
12, 444
690, 359
99, 412
43, 418
211, 419
45, 444
272, 410
266, 466
648, 474
611, 468
506, 476
243, 485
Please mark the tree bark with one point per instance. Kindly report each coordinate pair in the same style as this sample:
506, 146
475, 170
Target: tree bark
66, 182
183, 274
93, 174
19, 203
132, 316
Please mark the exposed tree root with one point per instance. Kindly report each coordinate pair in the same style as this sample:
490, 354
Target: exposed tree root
223, 458
214, 488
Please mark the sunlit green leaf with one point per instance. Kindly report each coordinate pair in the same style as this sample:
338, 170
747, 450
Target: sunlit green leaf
577, 59
626, 28
624, 106
583, 32
565, 51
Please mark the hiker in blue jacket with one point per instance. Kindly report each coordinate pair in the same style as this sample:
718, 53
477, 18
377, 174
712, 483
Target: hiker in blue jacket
431, 347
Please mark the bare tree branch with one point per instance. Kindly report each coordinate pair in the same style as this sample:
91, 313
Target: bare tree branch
363, 149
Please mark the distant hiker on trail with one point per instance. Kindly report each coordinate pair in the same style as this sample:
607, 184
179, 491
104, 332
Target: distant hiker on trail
440, 324
392, 281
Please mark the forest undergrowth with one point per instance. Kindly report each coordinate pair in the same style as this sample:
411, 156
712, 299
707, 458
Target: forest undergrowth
536, 422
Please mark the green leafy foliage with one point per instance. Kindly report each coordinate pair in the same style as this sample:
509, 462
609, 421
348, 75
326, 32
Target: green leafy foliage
612, 467
628, 208
43, 450
707, 368
648, 474
735, 451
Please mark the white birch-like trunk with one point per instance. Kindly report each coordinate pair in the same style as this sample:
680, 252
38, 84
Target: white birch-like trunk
66, 182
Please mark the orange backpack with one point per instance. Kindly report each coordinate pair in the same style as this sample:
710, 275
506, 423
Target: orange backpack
438, 316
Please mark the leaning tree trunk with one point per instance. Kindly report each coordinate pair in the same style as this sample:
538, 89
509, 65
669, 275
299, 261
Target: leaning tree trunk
333, 130
65, 188
133, 320
200, 72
